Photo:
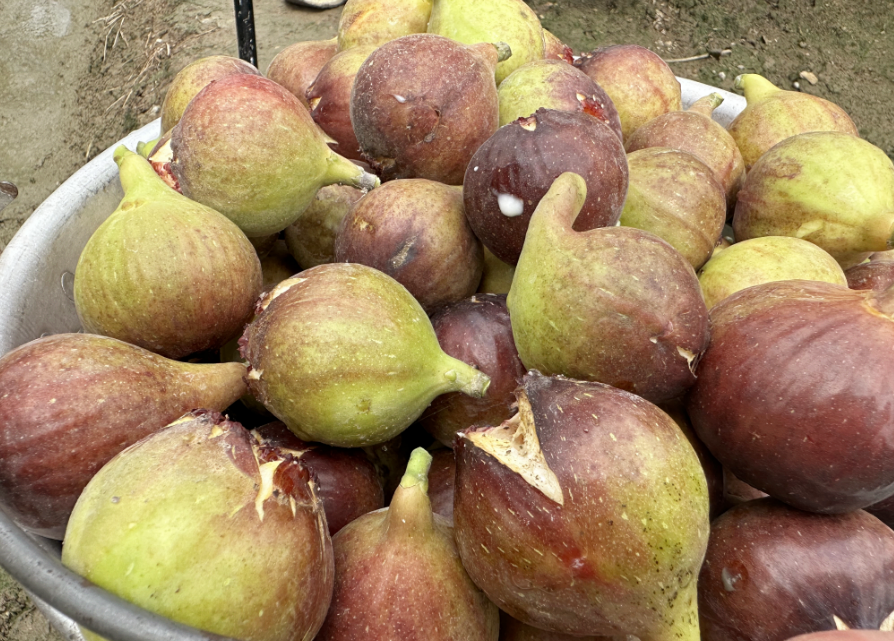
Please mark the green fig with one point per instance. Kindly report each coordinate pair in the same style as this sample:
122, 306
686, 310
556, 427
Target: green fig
398, 574
311, 238
344, 355
375, 22
205, 525
497, 276
164, 272
828, 187
772, 114
248, 148
509, 21
764, 260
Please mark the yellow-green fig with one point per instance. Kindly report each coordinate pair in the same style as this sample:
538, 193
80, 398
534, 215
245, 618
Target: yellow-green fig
375, 22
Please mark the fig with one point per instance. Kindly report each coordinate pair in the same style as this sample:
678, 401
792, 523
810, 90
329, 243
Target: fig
163, 272
347, 482
398, 574
278, 264
616, 305
830, 188
585, 514
477, 331
441, 477
372, 23
415, 230
877, 275
509, 21
71, 402
676, 196
248, 148
329, 97
422, 104
792, 394
554, 84
766, 260
772, 572
296, 66
640, 84
497, 275
203, 525
771, 115
555, 49
194, 77
311, 238
344, 355
695, 132
884, 510
515, 167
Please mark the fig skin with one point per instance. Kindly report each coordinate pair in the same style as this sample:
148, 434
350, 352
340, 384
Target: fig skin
640, 84
497, 275
555, 49
771, 115
344, 355
601, 562
792, 394
164, 272
422, 104
514, 630
372, 23
515, 167
165, 525
398, 574
441, 482
830, 188
415, 230
554, 84
296, 66
676, 196
194, 77
329, 97
311, 238
877, 275
71, 402
764, 260
477, 331
772, 572
616, 305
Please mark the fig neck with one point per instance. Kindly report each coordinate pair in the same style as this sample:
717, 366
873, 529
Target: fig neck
683, 620
706, 104
557, 210
138, 178
341, 171
410, 510
755, 87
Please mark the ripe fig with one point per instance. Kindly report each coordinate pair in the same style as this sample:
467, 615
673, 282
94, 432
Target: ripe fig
71, 402
344, 355
555, 49
586, 513
248, 148
615, 305
509, 21
695, 132
398, 574
766, 260
792, 394
164, 272
554, 84
441, 478
421, 106
641, 85
415, 231
311, 238
477, 331
771, 115
830, 188
515, 167
372, 23
877, 275
676, 196
203, 525
772, 572
296, 66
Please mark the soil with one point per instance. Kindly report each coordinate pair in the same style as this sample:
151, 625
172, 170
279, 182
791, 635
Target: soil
76, 75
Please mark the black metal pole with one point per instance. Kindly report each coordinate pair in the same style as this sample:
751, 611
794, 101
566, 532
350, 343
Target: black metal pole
245, 31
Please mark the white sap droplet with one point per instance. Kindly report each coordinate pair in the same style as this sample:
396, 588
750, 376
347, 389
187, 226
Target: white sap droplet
400, 99
510, 205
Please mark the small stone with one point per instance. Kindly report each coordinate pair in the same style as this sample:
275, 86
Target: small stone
809, 77
721, 75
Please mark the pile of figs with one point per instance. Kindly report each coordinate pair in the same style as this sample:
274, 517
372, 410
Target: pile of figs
438, 331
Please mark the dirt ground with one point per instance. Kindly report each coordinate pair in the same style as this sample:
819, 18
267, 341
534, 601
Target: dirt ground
76, 75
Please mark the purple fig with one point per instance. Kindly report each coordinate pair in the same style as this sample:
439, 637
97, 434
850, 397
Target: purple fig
441, 482
248, 148
772, 572
202, 524
415, 231
884, 510
477, 331
421, 106
586, 513
512, 171
372, 23
877, 275
311, 238
398, 574
71, 402
296, 66
164, 272
615, 305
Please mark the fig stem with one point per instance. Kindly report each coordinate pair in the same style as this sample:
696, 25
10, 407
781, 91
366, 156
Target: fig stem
417, 470
504, 51
462, 377
342, 171
755, 87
